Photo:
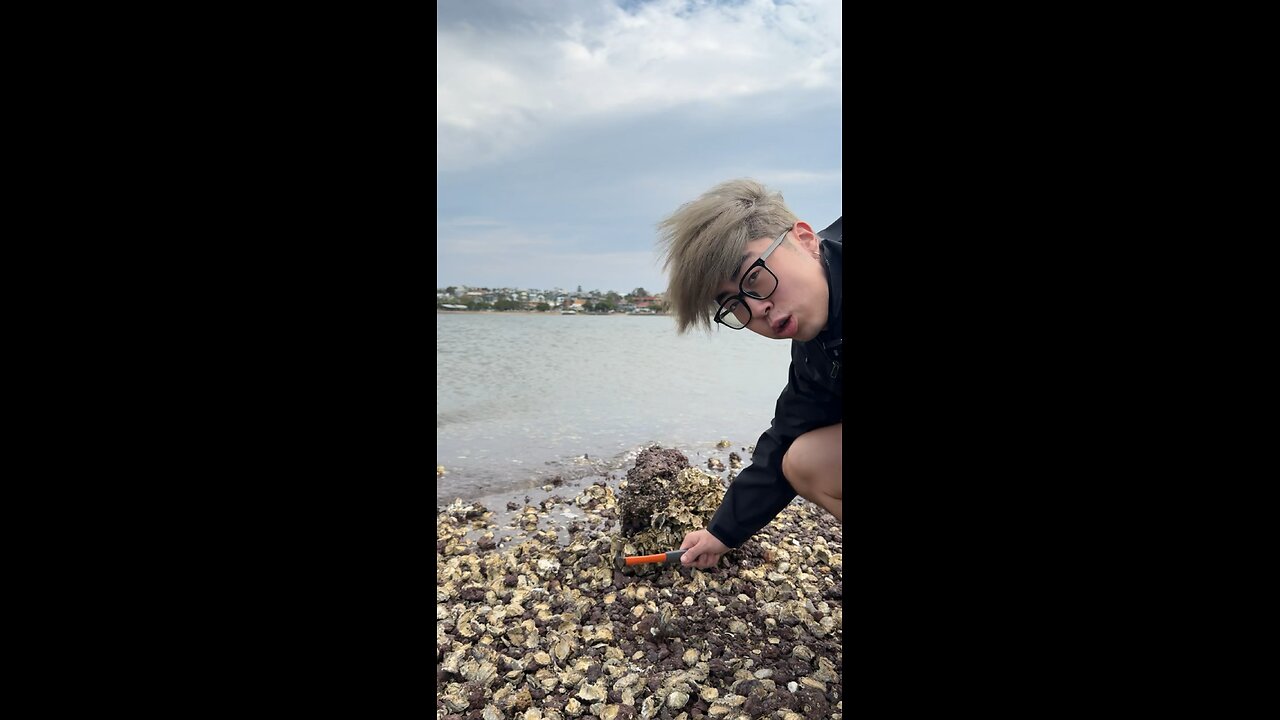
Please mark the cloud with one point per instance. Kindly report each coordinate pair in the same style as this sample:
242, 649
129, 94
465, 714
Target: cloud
566, 129
509, 75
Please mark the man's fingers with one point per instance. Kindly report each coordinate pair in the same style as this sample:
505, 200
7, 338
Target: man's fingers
698, 551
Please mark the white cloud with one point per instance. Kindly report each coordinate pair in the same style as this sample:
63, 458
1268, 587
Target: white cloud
501, 87
456, 239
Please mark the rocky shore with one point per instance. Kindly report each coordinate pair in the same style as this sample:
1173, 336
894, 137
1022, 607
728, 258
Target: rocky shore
542, 625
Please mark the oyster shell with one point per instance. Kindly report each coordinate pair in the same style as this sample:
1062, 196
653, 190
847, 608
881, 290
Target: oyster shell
592, 693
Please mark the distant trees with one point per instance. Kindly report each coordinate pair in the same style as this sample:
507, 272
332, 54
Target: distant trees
609, 302
596, 301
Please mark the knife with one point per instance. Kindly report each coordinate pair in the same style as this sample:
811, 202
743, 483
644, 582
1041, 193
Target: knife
669, 558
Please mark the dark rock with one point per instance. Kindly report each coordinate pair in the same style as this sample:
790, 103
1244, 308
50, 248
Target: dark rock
643, 494
813, 703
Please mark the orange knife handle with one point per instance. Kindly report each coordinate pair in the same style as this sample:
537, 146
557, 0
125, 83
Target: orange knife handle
642, 559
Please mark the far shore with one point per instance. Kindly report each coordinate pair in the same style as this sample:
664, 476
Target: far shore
535, 312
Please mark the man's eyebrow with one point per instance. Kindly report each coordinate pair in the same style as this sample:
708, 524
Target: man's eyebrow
721, 295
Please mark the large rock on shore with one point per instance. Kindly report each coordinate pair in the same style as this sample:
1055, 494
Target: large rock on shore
664, 499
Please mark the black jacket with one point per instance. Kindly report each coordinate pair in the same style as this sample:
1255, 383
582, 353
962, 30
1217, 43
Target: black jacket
810, 400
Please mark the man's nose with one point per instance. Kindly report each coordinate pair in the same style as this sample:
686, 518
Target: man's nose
759, 308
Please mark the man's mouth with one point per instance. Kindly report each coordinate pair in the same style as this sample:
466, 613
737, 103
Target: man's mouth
781, 324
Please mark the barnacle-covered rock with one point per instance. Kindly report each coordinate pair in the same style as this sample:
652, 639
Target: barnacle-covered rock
665, 499
649, 488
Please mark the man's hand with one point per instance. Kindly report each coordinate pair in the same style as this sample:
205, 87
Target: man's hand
704, 550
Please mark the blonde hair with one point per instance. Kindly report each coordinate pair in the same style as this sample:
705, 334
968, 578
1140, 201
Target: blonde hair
703, 242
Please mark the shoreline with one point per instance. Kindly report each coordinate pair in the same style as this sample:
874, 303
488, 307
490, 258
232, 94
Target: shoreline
724, 458
548, 313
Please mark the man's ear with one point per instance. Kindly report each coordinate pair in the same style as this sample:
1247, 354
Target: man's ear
806, 238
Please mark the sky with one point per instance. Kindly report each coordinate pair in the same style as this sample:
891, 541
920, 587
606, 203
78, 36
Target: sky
567, 129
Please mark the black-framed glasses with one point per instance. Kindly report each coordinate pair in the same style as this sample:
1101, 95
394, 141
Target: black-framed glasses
757, 282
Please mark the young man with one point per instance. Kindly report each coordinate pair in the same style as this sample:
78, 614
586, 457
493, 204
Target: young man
738, 257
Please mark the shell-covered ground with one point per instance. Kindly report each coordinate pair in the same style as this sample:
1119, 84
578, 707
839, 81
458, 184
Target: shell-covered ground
545, 626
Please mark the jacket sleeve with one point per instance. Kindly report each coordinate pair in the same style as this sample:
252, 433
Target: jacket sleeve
760, 491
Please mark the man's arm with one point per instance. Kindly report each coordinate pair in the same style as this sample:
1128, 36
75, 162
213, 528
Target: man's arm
761, 491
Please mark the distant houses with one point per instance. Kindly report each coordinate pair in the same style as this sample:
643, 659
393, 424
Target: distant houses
646, 302
500, 299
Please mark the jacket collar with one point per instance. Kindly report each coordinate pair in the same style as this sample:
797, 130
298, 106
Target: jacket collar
832, 260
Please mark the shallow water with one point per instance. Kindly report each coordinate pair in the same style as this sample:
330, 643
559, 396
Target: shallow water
523, 398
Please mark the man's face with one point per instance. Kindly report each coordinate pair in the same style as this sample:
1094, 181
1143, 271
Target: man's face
797, 307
